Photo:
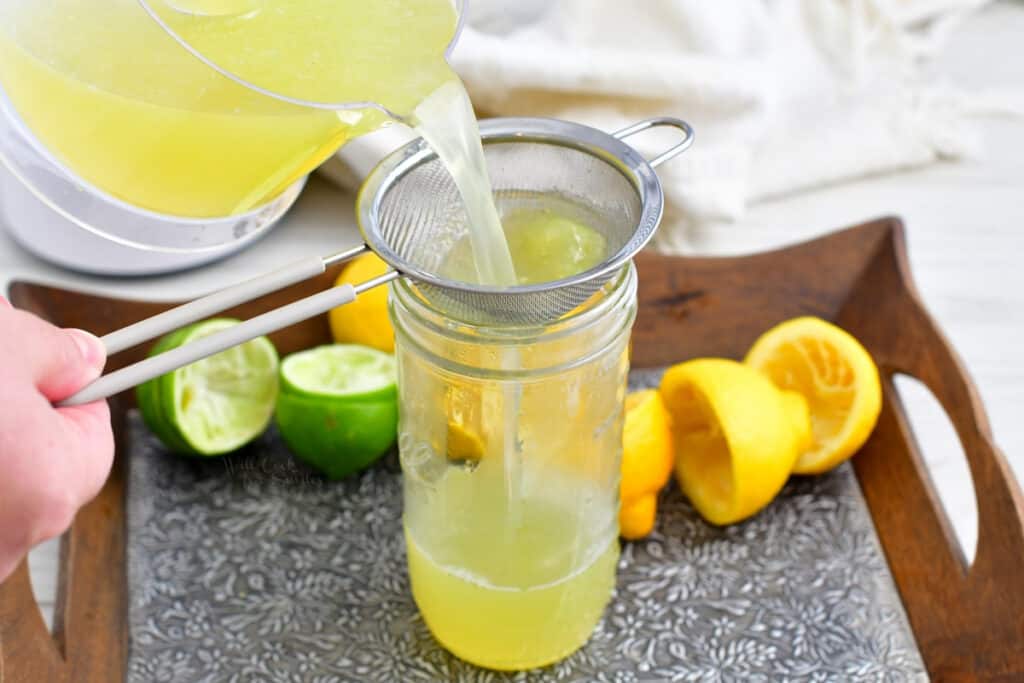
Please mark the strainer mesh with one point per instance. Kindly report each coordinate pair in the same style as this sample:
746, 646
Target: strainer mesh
421, 219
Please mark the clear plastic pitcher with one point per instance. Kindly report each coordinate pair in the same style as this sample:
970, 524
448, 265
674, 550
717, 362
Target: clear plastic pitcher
185, 112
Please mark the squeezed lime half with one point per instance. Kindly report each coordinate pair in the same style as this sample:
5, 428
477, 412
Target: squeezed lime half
215, 405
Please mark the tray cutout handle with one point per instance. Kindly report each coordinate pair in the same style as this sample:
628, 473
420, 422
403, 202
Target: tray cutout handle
947, 462
968, 619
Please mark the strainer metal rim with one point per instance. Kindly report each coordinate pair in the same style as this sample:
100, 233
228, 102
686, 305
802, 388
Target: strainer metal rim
622, 156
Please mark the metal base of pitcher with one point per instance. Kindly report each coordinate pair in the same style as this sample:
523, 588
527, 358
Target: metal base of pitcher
36, 227
63, 219
71, 248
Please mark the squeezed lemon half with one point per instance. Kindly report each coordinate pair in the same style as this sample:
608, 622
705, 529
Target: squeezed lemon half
836, 376
737, 436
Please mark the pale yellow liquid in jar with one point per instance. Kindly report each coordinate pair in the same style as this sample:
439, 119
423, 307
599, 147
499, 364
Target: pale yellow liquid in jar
507, 594
510, 627
130, 111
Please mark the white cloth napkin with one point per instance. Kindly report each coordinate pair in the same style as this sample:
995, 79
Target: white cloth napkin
785, 95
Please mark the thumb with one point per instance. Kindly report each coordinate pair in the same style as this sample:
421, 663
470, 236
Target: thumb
57, 362
94, 354
92, 358
64, 361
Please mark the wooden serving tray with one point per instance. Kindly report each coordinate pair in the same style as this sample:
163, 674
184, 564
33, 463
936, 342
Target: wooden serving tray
968, 620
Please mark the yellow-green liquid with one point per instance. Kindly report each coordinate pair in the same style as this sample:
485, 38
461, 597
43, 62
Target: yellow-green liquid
510, 572
510, 627
130, 111
547, 239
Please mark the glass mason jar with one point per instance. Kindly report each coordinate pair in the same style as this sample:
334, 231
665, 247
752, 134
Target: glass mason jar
511, 442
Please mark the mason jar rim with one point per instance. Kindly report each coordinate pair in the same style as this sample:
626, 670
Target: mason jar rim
404, 300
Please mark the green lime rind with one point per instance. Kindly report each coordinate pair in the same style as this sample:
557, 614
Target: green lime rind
338, 407
337, 439
184, 427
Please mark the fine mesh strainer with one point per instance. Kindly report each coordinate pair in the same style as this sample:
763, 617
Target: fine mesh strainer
411, 215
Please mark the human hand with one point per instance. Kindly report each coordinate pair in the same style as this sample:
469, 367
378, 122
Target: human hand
52, 460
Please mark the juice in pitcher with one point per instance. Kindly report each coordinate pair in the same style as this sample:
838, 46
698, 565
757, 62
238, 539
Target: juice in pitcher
119, 100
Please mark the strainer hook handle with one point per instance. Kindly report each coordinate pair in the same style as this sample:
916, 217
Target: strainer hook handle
657, 121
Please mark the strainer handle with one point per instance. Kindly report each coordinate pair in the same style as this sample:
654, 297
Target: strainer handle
657, 121
161, 364
196, 310
147, 369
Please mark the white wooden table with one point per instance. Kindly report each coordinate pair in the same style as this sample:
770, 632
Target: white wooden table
966, 232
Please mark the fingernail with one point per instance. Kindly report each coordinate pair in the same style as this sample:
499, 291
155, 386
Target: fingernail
91, 347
